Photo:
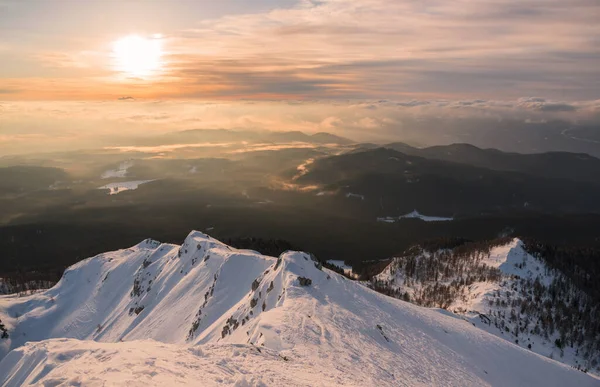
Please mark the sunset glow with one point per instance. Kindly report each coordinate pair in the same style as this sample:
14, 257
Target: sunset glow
137, 56
368, 69
296, 49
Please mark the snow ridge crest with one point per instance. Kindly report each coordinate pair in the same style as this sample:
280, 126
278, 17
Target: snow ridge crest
207, 311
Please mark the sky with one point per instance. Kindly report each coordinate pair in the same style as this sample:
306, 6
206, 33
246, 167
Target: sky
317, 49
353, 67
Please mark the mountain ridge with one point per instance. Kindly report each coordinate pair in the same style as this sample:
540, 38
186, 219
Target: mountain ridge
392, 181
209, 299
556, 164
502, 288
229, 135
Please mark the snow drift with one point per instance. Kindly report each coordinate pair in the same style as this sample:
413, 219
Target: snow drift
204, 313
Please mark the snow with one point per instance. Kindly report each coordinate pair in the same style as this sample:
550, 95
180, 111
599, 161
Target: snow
512, 259
325, 193
148, 363
203, 312
387, 219
414, 215
514, 263
353, 195
121, 186
120, 171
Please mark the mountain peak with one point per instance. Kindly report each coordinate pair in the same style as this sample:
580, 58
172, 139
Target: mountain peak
236, 317
501, 288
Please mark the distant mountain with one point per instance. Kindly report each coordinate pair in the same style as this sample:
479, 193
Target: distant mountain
404, 148
283, 136
297, 136
203, 312
363, 146
564, 165
393, 184
501, 287
328, 138
225, 135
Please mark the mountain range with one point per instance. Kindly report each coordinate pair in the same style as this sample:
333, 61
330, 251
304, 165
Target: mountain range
560, 165
204, 313
473, 182
224, 135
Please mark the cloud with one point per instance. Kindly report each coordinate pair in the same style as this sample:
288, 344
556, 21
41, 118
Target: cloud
330, 123
113, 118
412, 103
8, 91
537, 103
557, 107
363, 49
380, 48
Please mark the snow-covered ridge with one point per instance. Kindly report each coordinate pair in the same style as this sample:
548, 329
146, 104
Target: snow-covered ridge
505, 291
414, 215
157, 314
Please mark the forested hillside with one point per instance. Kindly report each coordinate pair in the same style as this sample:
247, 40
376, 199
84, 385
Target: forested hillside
540, 297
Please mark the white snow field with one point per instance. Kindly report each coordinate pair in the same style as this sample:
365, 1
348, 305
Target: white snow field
206, 314
414, 215
121, 186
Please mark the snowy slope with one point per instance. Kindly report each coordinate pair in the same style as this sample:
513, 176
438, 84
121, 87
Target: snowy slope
513, 261
206, 314
495, 304
414, 215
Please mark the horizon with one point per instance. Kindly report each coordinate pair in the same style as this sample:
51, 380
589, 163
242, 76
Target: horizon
75, 74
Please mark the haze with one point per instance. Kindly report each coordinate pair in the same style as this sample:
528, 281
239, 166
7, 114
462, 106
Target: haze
75, 74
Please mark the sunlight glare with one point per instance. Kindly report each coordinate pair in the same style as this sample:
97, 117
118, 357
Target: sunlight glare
138, 56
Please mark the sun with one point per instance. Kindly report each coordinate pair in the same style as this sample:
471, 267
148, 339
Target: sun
137, 56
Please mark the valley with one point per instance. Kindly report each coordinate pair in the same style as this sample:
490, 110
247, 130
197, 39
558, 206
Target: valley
475, 233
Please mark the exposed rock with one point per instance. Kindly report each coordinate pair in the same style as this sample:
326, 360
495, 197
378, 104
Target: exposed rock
255, 284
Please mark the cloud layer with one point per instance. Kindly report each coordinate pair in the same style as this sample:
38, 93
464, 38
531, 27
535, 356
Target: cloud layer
46, 126
355, 49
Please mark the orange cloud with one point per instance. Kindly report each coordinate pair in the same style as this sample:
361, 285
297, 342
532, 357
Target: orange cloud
338, 49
